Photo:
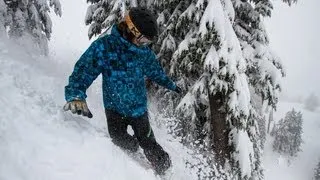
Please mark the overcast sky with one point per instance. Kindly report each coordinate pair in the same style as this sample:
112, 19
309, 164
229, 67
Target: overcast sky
295, 36
293, 31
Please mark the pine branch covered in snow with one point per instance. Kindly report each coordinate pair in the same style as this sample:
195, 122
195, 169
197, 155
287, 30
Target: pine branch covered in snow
57, 6
30, 21
264, 68
102, 14
287, 134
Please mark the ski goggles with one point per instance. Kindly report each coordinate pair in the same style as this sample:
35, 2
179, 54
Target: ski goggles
141, 39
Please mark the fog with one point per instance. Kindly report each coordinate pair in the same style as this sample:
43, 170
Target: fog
294, 36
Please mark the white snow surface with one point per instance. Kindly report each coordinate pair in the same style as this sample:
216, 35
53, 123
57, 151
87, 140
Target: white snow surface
38, 141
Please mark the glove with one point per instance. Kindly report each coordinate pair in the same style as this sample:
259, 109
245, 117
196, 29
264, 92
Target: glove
78, 106
178, 90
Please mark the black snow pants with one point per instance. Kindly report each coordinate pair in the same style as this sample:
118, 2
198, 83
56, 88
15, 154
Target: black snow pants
143, 136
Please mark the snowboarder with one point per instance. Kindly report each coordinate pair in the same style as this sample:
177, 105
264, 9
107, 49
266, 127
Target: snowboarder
124, 60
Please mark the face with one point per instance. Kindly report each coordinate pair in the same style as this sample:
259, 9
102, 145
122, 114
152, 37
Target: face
141, 41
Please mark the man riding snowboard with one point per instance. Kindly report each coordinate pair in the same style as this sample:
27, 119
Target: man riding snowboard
124, 60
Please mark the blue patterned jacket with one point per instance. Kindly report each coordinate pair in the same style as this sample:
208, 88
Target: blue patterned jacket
124, 67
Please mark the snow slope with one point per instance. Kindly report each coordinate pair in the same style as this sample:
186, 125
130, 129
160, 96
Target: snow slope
40, 142
302, 167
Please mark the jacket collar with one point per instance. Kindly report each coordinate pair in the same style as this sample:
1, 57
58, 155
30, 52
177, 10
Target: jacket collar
132, 47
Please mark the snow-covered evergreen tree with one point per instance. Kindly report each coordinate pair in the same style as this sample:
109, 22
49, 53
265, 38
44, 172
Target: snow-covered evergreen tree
264, 67
180, 51
217, 50
207, 60
30, 21
317, 172
312, 102
287, 134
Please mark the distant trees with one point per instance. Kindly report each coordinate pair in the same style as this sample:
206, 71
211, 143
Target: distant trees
317, 172
287, 133
28, 21
312, 102
290, 2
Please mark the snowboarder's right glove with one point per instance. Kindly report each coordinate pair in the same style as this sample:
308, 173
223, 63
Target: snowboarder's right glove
79, 107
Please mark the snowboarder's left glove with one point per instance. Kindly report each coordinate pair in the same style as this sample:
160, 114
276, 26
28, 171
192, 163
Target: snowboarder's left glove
79, 107
178, 90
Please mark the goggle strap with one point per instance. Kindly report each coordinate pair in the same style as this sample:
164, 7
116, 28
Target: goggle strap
133, 29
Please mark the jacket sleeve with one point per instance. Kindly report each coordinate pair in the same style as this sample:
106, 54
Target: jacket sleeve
155, 72
86, 70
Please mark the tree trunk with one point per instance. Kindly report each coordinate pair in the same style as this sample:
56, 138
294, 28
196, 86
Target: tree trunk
270, 120
220, 129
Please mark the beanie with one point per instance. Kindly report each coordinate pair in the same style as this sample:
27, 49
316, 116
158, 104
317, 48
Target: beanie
144, 21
